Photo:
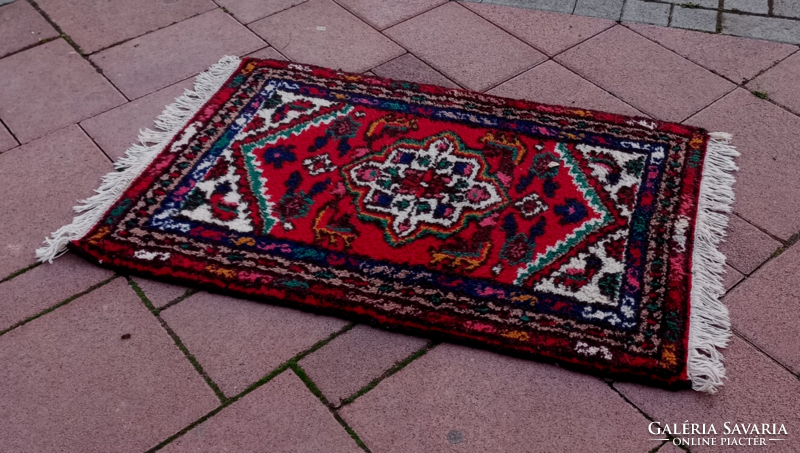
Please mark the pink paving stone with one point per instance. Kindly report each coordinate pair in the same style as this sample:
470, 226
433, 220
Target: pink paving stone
96, 24
731, 278
70, 164
548, 32
238, 342
21, 26
465, 47
738, 59
6, 140
782, 83
764, 308
669, 447
161, 58
117, 129
49, 87
766, 184
551, 83
159, 293
322, 33
746, 247
71, 383
280, 416
267, 53
757, 391
644, 74
251, 10
410, 68
352, 360
382, 14
460, 399
46, 285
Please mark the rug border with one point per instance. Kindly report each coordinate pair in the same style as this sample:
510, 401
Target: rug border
709, 324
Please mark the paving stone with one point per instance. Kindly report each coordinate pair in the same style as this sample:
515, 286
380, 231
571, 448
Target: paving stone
738, 59
267, 53
749, 6
238, 342
166, 56
764, 308
712, 4
70, 164
551, 83
607, 9
354, 359
6, 140
488, 402
71, 383
95, 24
117, 129
757, 391
465, 47
649, 13
746, 247
548, 32
323, 33
280, 416
670, 447
21, 26
561, 6
49, 87
410, 68
382, 14
787, 8
655, 81
731, 278
766, 184
759, 27
248, 11
694, 19
46, 285
159, 293
781, 83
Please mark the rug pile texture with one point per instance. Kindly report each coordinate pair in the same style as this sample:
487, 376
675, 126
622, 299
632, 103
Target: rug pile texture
572, 236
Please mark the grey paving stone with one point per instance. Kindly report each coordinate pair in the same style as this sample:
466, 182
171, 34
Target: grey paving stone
702, 3
561, 6
759, 27
788, 8
645, 12
750, 6
607, 9
694, 18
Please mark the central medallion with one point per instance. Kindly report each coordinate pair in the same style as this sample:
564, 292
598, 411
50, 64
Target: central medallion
432, 186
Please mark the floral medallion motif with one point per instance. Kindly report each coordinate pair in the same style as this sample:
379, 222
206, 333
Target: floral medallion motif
417, 187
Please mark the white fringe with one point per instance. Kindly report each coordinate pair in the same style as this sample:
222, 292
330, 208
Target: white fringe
709, 325
138, 158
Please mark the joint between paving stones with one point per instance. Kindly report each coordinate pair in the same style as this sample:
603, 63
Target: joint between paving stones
56, 305
268, 377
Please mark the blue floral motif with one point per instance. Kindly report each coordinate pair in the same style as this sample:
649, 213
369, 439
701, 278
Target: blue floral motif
277, 155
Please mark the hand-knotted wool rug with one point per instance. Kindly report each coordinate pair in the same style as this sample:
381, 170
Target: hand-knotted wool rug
566, 235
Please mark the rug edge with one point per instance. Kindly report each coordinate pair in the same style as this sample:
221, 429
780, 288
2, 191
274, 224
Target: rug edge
138, 157
709, 323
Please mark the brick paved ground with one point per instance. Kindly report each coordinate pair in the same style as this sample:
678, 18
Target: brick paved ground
97, 362
774, 20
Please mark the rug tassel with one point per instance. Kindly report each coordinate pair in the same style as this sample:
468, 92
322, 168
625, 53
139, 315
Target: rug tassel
138, 158
709, 327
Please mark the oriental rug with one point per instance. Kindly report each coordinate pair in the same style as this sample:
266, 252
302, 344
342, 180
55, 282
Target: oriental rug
566, 235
